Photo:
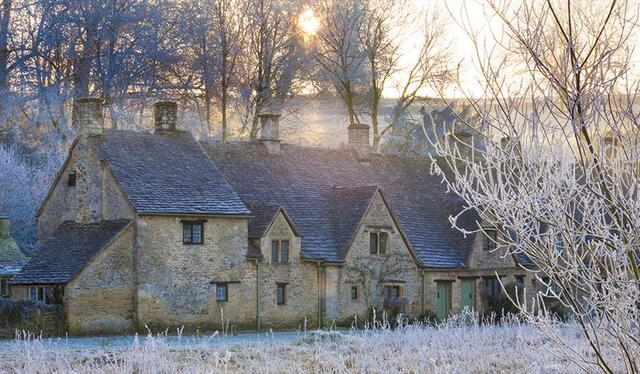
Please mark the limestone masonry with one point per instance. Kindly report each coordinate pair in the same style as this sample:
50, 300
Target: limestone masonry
162, 230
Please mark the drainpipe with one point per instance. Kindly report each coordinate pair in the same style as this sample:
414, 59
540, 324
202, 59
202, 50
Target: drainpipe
422, 292
319, 295
257, 296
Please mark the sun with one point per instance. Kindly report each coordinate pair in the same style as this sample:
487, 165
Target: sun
308, 22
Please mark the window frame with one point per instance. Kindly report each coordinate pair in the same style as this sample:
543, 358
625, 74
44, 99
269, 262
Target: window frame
354, 293
72, 179
490, 241
277, 256
388, 291
378, 242
5, 290
225, 288
42, 293
283, 287
495, 289
190, 239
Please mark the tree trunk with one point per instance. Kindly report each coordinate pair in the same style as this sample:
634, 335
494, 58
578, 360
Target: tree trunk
374, 122
223, 109
4, 45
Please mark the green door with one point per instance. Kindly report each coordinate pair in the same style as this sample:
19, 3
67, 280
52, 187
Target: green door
468, 294
443, 300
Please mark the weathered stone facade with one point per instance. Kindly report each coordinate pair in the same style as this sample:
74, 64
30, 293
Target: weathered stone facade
146, 276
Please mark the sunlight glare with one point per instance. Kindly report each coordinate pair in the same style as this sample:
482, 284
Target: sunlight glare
308, 22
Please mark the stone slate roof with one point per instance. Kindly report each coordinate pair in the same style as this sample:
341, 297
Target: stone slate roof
303, 180
348, 206
66, 252
11, 257
167, 172
262, 217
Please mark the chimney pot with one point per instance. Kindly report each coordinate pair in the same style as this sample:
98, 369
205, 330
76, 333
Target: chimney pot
359, 138
4, 227
87, 115
165, 115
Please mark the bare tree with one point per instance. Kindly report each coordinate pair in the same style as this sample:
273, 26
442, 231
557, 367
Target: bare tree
271, 58
559, 171
339, 51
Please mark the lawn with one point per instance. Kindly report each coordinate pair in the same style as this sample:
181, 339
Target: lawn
448, 348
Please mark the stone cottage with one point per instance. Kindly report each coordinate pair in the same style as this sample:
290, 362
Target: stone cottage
161, 230
11, 258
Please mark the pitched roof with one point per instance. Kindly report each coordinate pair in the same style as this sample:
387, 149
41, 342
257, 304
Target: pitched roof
304, 181
11, 257
70, 247
262, 217
348, 206
166, 173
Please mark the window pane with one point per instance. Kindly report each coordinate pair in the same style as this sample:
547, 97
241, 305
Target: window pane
221, 292
395, 292
284, 251
373, 243
48, 295
383, 242
186, 233
33, 293
274, 251
280, 294
4, 287
196, 233
40, 294
354, 293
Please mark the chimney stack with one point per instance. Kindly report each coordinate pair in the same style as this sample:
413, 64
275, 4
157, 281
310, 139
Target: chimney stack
4, 227
359, 139
87, 116
270, 129
165, 115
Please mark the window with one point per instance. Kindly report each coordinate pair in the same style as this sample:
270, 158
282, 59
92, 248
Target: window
354, 293
490, 239
44, 294
391, 293
72, 179
279, 251
378, 242
550, 288
281, 293
192, 232
4, 288
221, 292
492, 287
520, 281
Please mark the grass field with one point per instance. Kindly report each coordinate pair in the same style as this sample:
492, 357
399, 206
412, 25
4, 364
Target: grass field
449, 348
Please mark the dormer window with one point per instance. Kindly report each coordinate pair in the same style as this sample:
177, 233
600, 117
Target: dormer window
192, 232
490, 239
279, 251
378, 242
71, 181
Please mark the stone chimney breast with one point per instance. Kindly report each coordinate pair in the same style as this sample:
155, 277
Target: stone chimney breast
165, 115
4, 227
270, 129
359, 138
87, 116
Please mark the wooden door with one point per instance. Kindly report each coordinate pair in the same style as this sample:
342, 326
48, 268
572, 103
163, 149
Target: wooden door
468, 294
443, 300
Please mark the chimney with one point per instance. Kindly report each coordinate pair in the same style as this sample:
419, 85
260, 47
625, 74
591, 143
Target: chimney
270, 129
165, 115
4, 227
87, 116
359, 139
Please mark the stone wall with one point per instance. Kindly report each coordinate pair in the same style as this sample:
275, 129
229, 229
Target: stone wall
95, 196
177, 282
100, 300
301, 280
370, 272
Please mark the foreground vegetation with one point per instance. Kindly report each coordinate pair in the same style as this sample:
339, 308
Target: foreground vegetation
456, 347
